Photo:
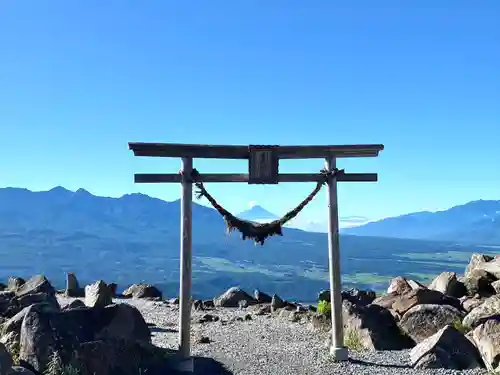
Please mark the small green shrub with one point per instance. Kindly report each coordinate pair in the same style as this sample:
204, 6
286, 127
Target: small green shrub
352, 340
56, 367
459, 326
325, 308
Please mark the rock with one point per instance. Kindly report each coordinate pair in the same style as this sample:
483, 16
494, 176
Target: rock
15, 283
20, 370
5, 361
197, 305
11, 342
416, 285
475, 261
43, 332
208, 304
232, 297
487, 339
112, 288
243, 304
404, 302
208, 318
479, 282
142, 291
37, 284
97, 295
18, 303
490, 307
496, 286
312, 308
375, 326
174, 301
352, 295
76, 304
203, 340
73, 288
399, 285
358, 297
423, 321
492, 267
263, 309
261, 297
14, 323
277, 303
470, 304
446, 348
448, 284
107, 357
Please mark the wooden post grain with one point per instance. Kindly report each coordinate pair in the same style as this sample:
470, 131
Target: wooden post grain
185, 260
338, 351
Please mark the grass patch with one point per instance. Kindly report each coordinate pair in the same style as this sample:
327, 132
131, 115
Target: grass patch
352, 340
325, 308
460, 327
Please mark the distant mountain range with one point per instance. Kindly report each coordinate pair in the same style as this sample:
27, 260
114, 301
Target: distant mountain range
476, 222
135, 238
258, 214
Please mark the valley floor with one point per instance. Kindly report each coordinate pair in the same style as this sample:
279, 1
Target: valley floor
266, 345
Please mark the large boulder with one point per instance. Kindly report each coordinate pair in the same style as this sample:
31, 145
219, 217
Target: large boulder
277, 303
478, 282
73, 288
423, 321
232, 298
475, 261
14, 283
492, 267
18, 303
354, 295
399, 285
5, 360
487, 339
375, 327
490, 307
496, 286
400, 304
448, 284
98, 294
124, 357
261, 297
37, 284
43, 332
447, 348
142, 291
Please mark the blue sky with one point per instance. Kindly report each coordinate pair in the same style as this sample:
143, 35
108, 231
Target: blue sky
80, 79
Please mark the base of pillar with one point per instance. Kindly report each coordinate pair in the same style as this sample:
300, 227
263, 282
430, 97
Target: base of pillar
185, 365
339, 354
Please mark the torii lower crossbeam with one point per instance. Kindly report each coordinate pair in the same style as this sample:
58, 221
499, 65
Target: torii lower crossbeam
263, 165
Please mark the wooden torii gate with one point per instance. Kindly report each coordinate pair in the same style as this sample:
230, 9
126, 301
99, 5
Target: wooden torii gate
263, 169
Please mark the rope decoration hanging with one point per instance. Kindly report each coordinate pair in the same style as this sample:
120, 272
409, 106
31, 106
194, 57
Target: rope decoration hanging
259, 232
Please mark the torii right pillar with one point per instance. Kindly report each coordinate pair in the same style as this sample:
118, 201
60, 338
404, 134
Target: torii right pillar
337, 349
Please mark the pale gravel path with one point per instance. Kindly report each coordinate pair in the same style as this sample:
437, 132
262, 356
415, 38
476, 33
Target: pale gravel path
270, 345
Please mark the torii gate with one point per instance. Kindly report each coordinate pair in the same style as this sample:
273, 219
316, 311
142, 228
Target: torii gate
263, 169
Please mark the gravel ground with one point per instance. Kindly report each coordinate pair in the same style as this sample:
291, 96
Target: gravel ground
268, 345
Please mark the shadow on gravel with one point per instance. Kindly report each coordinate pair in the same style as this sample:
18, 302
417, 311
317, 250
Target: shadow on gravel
159, 329
209, 366
364, 363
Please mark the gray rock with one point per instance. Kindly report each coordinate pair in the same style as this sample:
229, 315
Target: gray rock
375, 326
232, 297
97, 295
448, 284
449, 348
400, 304
496, 286
142, 291
469, 304
475, 260
479, 282
277, 303
399, 285
15, 283
492, 267
75, 304
37, 284
261, 297
490, 307
423, 321
5, 360
487, 339
73, 288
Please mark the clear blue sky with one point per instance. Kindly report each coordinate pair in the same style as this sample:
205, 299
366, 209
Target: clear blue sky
80, 79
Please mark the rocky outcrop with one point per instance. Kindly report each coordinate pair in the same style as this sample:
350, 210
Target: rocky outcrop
73, 288
142, 291
261, 297
478, 282
232, 298
487, 339
423, 321
448, 284
447, 348
489, 308
98, 295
